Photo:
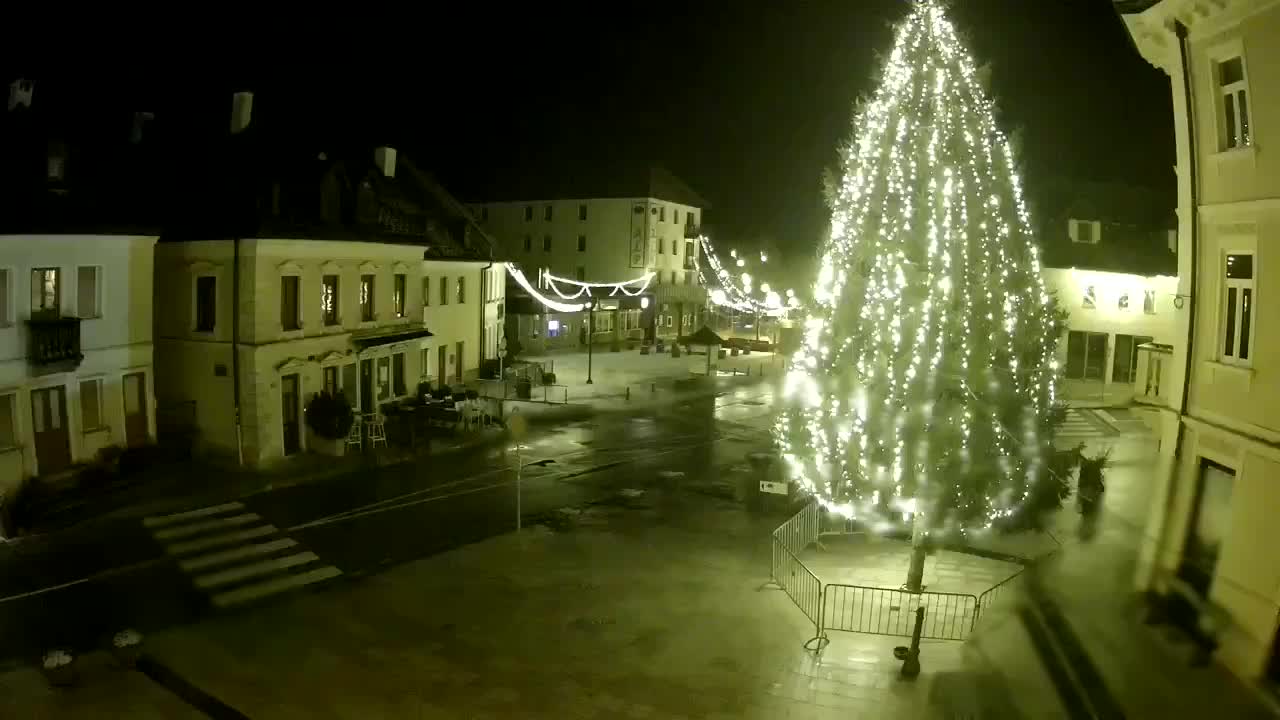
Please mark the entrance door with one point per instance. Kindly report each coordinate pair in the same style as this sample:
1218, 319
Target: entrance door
1125, 364
1086, 355
135, 409
366, 386
457, 365
49, 425
289, 413
442, 365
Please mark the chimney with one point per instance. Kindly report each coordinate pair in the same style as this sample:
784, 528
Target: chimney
385, 158
241, 111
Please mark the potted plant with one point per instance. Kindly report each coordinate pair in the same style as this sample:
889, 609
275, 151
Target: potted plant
126, 645
1090, 485
329, 418
58, 666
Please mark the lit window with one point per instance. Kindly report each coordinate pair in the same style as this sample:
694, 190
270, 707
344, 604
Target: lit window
1235, 104
397, 294
46, 292
329, 299
1090, 297
462, 290
366, 298
1237, 308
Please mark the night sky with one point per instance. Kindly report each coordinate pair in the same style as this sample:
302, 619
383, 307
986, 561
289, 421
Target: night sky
746, 102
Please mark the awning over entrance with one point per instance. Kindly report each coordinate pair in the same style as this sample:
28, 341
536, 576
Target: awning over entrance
388, 336
704, 336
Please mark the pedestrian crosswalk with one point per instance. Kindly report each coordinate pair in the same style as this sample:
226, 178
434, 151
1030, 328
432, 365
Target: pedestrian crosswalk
1083, 425
234, 556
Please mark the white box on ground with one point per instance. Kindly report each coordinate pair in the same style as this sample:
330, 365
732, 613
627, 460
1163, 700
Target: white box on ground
777, 488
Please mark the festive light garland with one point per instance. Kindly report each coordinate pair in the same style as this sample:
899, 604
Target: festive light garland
730, 294
585, 288
926, 373
523, 282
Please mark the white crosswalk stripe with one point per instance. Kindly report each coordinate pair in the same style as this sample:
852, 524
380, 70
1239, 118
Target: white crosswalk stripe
1082, 425
234, 556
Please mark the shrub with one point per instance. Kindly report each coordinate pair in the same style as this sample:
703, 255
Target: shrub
330, 416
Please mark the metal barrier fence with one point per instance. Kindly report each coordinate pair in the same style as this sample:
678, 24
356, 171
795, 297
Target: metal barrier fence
880, 611
996, 595
801, 530
801, 585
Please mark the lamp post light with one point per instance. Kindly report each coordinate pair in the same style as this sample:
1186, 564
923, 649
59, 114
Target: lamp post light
591, 332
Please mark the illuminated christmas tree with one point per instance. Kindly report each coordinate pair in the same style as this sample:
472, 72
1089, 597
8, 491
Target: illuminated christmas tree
925, 386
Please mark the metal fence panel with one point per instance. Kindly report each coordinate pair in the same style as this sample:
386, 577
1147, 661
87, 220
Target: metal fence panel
799, 583
1000, 595
880, 611
801, 530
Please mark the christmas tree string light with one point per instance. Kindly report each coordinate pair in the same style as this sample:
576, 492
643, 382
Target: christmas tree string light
926, 377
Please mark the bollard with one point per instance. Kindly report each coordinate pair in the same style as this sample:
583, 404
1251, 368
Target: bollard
628, 392
911, 665
653, 388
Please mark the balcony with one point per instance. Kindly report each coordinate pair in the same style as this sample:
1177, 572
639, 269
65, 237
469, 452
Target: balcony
691, 232
55, 341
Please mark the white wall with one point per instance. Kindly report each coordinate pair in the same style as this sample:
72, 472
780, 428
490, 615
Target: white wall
114, 343
1106, 316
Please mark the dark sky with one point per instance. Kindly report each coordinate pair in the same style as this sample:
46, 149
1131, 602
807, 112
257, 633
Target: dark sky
746, 101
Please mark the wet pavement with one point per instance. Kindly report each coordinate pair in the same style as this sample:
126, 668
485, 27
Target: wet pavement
75, 588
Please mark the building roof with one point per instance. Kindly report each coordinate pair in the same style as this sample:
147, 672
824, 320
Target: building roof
1135, 225
76, 164
250, 187
602, 179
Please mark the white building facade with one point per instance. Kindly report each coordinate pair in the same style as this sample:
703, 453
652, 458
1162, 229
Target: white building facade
606, 240
370, 320
75, 350
1212, 526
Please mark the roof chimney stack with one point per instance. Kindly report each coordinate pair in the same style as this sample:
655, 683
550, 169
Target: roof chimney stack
385, 159
241, 111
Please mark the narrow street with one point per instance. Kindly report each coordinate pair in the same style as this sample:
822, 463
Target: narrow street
77, 588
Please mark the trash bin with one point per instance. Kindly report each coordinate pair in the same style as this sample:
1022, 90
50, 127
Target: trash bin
524, 389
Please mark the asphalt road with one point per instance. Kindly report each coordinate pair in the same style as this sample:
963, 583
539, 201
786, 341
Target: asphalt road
76, 588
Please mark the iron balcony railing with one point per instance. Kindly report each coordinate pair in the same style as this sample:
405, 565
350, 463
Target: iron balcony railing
54, 340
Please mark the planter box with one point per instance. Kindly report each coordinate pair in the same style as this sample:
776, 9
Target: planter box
644, 349
326, 446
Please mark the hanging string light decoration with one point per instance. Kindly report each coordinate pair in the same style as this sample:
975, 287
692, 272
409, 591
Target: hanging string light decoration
628, 288
926, 373
734, 292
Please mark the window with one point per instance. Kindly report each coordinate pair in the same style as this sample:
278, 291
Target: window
691, 219
528, 213
349, 384
462, 290
397, 294
661, 247
384, 378
1090, 297
582, 243
546, 213
582, 273
688, 278
582, 212
329, 299
673, 277
675, 247
46, 291
366, 298
1237, 308
1086, 355
426, 362
688, 254
88, 291
444, 290
662, 214
397, 374
206, 303
1124, 364
289, 319
1084, 231
426, 291
1210, 523
675, 216
91, 405
6, 303
8, 427
1149, 302
546, 243
329, 380
1235, 104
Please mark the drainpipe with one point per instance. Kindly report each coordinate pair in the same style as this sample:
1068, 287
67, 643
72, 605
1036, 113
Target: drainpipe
235, 345
484, 306
1180, 30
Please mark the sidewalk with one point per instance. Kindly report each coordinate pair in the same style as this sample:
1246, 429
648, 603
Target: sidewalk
639, 613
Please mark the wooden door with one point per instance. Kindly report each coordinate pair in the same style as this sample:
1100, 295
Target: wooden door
366, 386
289, 414
135, 409
49, 426
457, 364
442, 365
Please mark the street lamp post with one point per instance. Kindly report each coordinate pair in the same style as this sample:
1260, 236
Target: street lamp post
591, 332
